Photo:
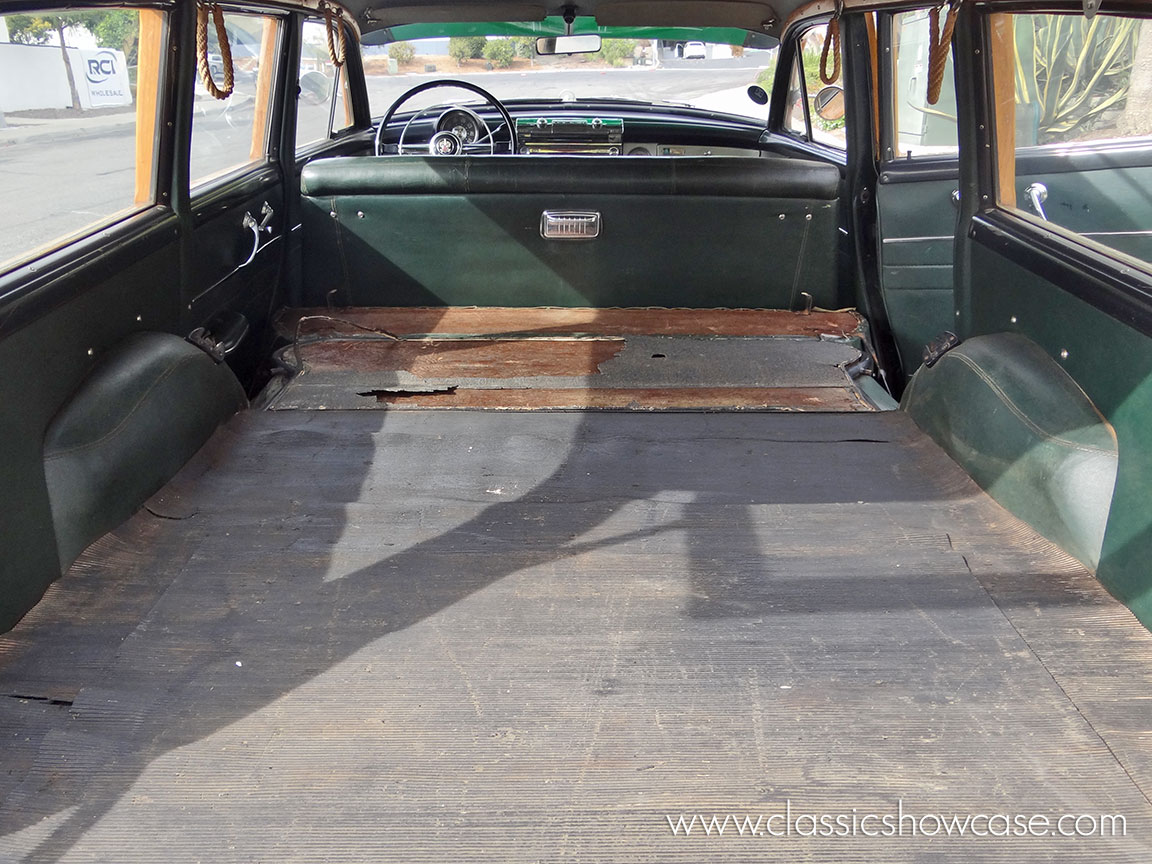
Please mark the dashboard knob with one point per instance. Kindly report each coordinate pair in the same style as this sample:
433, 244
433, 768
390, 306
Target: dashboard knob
597, 123
541, 123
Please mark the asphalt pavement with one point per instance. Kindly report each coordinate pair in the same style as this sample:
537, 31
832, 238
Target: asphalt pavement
62, 175
680, 81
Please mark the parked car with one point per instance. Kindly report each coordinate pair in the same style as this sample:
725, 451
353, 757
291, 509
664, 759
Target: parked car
695, 51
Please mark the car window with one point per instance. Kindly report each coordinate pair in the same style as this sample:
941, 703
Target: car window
795, 103
77, 141
1081, 121
323, 105
804, 92
712, 76
231, 133
922, 129
1080, 81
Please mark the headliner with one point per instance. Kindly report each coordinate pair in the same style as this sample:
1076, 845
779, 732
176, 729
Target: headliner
764, 16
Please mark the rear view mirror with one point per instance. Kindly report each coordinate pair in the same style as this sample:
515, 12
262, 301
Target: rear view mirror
829, 103
568, 44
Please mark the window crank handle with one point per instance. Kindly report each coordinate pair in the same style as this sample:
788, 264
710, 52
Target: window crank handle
1038, 193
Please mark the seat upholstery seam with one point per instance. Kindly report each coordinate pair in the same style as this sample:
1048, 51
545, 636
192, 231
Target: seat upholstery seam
344, 271
1019, 412
136, 407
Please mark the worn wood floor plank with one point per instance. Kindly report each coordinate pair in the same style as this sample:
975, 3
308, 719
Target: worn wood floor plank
666, 359
404, 320
638, 398
466, 636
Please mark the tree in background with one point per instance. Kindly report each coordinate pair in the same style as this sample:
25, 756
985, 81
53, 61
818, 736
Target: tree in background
500, 52
120, 29
461, 48
115, 28
525, 46
36, 29
401, 52
617, 52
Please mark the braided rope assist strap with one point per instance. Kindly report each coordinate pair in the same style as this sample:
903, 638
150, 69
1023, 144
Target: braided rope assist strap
202, 11
332, 22
831, 45
939, 47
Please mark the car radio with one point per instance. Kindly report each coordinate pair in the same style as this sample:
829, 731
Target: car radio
580, 135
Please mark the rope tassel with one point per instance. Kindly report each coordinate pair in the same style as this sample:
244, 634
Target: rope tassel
332, 22
939, 47
210, 85
831, 45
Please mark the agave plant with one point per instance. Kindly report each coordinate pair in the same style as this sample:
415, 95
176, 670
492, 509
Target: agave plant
1072, 70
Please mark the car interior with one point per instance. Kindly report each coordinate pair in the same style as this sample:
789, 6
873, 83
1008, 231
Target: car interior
442, 430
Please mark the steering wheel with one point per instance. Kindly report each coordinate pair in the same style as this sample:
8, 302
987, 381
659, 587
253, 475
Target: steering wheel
445, 143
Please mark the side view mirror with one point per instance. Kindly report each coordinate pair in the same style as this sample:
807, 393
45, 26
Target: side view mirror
829, 102
315, 88
588, 44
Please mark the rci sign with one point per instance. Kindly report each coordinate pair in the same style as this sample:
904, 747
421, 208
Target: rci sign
100, 68
104, 75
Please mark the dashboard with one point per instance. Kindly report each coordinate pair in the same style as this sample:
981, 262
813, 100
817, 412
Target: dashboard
571, 135
465, 123
645, 149
594, 128
601, 136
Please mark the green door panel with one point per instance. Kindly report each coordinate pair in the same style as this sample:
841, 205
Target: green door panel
917, 223
923, 313
44, 362
1113, 364
1108, 204
223, 274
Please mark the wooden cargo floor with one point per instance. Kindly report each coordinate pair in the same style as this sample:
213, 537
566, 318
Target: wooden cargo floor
472, 636
584, 359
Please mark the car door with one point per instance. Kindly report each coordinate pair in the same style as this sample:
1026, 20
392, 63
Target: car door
1077, 284
138, 209
90, 244
1067, 170
235, 216
331, 119
846, 136
916, 192
796, 130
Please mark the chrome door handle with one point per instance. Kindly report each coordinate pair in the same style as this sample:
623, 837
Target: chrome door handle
1038, 193
266, 214
249, 223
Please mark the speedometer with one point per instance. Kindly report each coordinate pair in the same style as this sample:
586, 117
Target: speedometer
468, 127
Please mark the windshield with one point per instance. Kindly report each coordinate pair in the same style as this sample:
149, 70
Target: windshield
710, 75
